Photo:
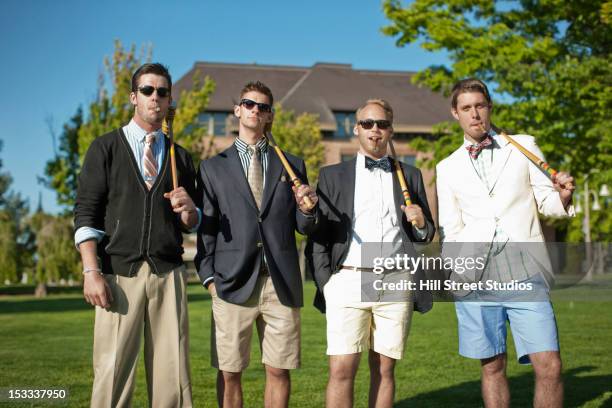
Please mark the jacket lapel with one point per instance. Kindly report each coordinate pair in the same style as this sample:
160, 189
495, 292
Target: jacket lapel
234, 169
348, 174
500, 158
273, 173
464, 162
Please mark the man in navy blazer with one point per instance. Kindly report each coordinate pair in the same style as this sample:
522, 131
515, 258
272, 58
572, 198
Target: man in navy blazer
247, 256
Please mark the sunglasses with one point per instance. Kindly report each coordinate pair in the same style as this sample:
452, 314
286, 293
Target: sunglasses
147, 90
368, 124
249, 104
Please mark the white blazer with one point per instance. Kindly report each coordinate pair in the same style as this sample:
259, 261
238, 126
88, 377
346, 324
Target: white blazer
469, 212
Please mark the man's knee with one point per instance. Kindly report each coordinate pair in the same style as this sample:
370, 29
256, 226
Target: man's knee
343, 368
547, 365
494, 366
274, 373
230, 378
382, 366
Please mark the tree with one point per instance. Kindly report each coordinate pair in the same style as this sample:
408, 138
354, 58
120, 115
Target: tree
56, 256
546, 61
14, 253
300, 136
62, 171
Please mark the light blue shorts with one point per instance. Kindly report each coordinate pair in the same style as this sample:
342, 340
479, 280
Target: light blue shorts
482, 328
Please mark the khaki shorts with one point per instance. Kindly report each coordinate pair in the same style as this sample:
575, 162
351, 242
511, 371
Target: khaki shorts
354, 326
278, 327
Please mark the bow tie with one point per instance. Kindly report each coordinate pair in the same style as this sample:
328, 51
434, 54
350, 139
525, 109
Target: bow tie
383, 164
475, 149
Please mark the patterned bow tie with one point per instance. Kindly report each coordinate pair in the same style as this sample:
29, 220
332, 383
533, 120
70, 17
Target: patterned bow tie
383, 164
475, 149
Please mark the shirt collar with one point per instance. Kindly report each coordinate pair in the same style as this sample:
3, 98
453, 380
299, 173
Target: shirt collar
493, 135
242, 146
139, 133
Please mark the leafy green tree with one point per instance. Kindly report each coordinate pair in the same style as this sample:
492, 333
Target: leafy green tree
300, 135
547, 62
56, 256
9, 260
15, 255
62, 171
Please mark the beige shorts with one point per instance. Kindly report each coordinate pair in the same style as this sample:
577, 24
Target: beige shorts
278, 327
354, 326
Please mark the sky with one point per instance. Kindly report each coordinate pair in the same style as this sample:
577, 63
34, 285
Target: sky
53, 51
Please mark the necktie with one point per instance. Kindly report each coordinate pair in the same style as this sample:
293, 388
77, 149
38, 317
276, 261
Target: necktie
149, 163
475, 149
383, 164
255, 174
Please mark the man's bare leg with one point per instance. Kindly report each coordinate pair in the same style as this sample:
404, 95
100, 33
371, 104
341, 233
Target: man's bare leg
548, 383
341, 384
495, 390
229, 389
382, 380
278, 387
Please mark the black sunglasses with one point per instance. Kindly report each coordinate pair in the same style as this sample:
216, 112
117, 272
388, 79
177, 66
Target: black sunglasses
249, 104
369, 124
147, 90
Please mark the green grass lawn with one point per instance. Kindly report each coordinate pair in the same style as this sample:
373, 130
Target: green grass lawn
48, 343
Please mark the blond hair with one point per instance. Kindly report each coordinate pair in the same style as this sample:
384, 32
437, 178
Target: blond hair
379, 102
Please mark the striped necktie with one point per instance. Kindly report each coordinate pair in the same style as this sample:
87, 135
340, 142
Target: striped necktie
255, 174
149, 163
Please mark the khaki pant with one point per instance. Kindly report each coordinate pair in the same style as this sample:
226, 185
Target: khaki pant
156, 304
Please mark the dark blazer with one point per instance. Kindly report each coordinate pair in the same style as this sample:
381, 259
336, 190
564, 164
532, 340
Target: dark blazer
234, 232
328, 247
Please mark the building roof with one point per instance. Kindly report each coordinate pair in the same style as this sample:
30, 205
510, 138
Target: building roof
323, 89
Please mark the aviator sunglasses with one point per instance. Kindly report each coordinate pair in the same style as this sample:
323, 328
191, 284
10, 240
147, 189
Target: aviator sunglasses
368, 124
147, 90
249, 104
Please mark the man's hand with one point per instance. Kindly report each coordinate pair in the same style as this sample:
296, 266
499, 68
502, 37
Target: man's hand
96, 290
212, 290
564, 184
414, 213
183, 204
301, 192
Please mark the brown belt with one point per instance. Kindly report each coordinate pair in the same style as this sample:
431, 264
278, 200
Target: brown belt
355, 268
358, 269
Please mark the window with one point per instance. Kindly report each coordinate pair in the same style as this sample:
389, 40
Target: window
345, 121
409, 159
215, 122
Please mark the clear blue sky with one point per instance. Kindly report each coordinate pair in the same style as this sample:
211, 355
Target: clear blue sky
52, 52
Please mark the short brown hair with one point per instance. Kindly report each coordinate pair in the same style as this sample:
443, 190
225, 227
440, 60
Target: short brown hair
469, 85
380, 102
257, 87
151, 68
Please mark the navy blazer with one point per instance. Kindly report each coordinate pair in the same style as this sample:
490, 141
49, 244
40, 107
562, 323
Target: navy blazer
328, 247
234, 232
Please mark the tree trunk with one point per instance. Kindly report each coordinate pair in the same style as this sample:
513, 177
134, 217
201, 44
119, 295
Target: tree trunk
41, 290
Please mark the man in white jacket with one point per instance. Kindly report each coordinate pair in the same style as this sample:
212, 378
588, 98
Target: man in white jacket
489, 196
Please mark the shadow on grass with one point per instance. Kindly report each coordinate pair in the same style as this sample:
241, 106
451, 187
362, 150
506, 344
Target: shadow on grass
579, 389
54, 304
50, 304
